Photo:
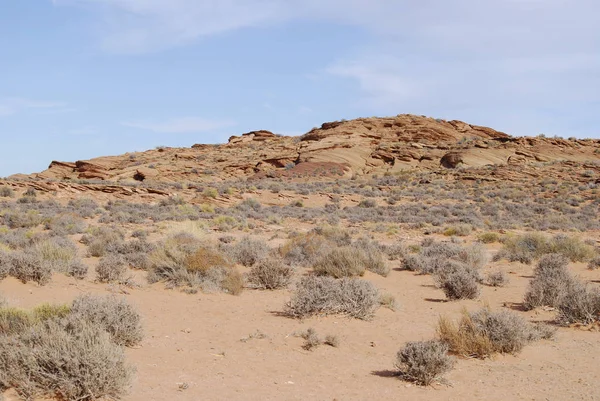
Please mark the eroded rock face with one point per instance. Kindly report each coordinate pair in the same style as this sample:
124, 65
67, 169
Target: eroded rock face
452, 159
339, 148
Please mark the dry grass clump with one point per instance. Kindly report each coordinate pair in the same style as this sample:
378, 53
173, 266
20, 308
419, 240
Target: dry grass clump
270, 274
424, 361
460, 230
312, 340
530, 246
318, 295
182, 260
71, 353
388, 301
483, 333
488, 237
341, 262
56, 252
16, 321
496, 278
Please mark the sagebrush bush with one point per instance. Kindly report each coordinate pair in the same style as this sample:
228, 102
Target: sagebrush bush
114, 315
77, 269
56, 252
5, 264
594, 263
496, 278
580, 303
66, 224
424, 361
6, 192
29, 267
550, 283
316, 295
483, 333
111, 268
530, 246
458, 280
372, 256
16, 321
182, 260
103, 240
270, 274
248, 251
68, 359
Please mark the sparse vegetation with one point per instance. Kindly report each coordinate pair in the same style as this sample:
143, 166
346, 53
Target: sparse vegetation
424, 361
484, 333
325, 295
270, 274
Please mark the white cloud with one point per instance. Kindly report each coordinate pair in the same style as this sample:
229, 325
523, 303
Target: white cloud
180, 125
14, 105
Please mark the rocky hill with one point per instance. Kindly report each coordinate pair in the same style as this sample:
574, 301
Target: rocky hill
339, 149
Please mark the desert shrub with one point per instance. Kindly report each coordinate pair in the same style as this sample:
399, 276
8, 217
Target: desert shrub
496, 279
182, 260
66, 224
483, 333
551, 282
458, 280
77, 269
68, 359
460, 230
311, 339
6, 192
372, 256
111, 268
5, 264
203, 259
103, 240
424, 361
304, 249
325, 295
116, 316
337, 235
270, 274
248, 251
573, 248
395, 251
367, 203
580, 303
29, 267
594, 263
388, 301
488, 237
16, 321
18, 218
341, 262
531, 246
56, 252
332, 341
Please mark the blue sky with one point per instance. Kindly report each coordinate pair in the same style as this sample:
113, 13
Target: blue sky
85, 78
